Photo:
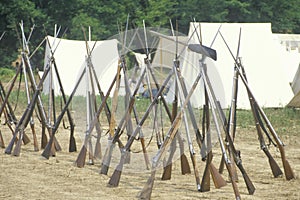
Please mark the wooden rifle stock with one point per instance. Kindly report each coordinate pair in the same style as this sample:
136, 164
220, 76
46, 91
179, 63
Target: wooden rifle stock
205, 183
168, 165
17, 148
185, 167
216, 176
35, 142
146, 157
2, 145
97, 152
80, 161
44, 139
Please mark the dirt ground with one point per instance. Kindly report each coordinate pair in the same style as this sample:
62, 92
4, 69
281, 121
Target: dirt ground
30, 176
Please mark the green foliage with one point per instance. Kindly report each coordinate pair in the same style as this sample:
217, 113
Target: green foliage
280, 118
6, 74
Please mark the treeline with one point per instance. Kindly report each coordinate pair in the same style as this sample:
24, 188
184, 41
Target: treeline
106, 16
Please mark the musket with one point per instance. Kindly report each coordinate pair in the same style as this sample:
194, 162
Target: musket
114, 104
168, 165
273, 164
231, 124
115, 178
49, 147
109, 150
36, 148
209, 167
98, 153
91, 102
212, 102
217, 178
28, 68
235, 153
129, 127
148, 73
237, 159
162, 98
80, 161
39, 102
147, 190
89, 117
188, 136
168, 168
289, 174
111, 142
185, 168
5, 100
72, 142
93, 108
141, 135
26, 115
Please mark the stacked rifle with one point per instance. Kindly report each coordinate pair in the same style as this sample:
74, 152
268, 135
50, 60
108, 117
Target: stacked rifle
178, 114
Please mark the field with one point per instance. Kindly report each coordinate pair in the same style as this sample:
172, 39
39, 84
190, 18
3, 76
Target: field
30, 176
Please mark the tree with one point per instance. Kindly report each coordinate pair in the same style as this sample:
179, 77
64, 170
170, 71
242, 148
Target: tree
284, 15
12, 12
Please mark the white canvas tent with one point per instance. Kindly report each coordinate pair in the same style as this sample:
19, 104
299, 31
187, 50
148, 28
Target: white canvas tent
260, 56
70, 58
295, 102
290, 47
296, 82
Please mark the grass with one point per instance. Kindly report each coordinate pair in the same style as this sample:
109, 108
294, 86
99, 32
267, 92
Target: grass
284, 120
6, 74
